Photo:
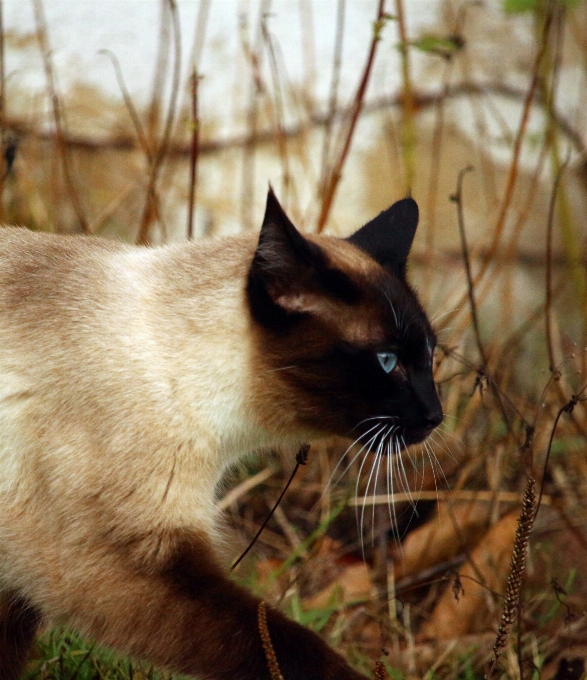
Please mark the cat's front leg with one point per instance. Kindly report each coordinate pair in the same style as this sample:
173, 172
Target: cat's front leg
185, 615
18, 624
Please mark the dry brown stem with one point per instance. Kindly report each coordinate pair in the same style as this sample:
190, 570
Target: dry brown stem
517, 569
422, 100
356, 108
408, 129
42, 38
379, 672
279, 112
151, 203
195, 123
253, 54
270, 655
333, 96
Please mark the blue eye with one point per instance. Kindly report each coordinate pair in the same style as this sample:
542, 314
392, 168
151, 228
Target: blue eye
388, 361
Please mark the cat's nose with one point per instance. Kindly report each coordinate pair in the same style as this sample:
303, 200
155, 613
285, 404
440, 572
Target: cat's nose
434, 418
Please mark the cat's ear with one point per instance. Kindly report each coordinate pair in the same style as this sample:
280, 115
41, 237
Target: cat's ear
388, 238
283, 255
289, 273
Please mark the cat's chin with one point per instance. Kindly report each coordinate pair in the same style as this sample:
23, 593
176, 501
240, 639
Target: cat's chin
417, 436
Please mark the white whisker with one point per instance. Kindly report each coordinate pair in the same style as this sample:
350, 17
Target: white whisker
329, 484
360, 524
378, 461
403, 476
445, 447
435, 464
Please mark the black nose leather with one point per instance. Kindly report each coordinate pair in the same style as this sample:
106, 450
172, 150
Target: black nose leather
434, 418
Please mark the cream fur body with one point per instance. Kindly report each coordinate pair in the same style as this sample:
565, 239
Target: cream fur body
134, 446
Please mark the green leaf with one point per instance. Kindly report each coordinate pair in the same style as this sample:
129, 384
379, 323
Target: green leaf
519, 6
445, 46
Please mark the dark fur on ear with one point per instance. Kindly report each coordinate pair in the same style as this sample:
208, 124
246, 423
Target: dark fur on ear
287, 262
388, 238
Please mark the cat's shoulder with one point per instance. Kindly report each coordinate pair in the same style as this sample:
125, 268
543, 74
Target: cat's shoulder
24, 238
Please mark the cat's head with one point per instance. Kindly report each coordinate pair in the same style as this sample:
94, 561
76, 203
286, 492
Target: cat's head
342, 344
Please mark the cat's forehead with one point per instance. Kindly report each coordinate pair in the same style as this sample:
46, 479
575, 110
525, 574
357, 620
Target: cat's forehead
345, 256
388, 311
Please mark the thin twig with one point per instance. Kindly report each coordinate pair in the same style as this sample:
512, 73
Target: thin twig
279, 111
458, 199
566, 408
42, 33
516, 154
408, 132
254, 56
422, 100
308, 52
244, 487
159, 155
301, 459
333, 96
200, 33
548, 276
513, 171
195, 124
357, 107
440, 495
129, 104
138, 126
499, 396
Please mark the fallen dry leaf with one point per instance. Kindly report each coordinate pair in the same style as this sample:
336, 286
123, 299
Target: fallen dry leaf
353, 583
456, 525
471, 613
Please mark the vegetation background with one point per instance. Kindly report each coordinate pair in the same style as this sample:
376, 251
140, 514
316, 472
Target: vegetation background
480, 113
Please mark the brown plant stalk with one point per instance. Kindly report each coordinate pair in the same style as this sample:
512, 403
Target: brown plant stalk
408, 128
253, 54
548, 276
357, 107
301, 459
41, 29
128, 102
270, 655
498, 394
422, 100
517, 569
159, 155
279, 111
333, 95
515, 162
195, 147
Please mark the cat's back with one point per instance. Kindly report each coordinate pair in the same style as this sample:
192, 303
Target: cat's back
61, 297
41, 269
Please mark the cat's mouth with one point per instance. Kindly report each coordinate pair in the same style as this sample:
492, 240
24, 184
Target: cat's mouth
391, 436
417, 436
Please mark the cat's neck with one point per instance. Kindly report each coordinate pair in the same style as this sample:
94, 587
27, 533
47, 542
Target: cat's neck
203, 343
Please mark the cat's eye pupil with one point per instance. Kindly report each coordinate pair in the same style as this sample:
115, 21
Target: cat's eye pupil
388, 361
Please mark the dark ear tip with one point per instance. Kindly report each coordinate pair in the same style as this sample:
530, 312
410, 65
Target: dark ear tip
409, 209
271, 197
274, 213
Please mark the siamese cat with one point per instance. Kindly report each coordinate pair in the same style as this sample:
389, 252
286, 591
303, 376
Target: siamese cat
131, 377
